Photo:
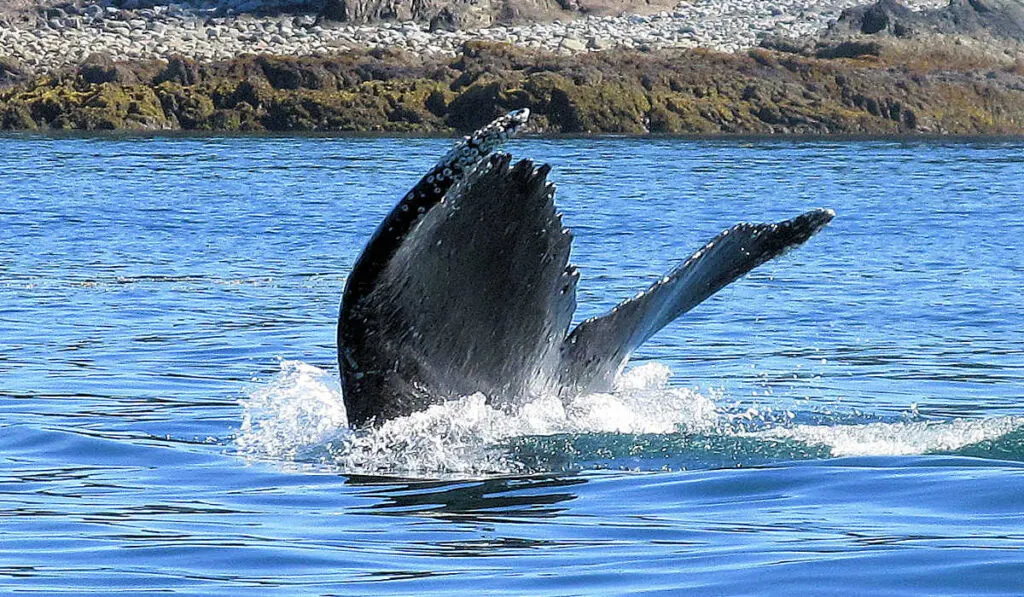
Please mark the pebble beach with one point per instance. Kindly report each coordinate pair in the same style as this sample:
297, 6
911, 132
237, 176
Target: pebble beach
65, 36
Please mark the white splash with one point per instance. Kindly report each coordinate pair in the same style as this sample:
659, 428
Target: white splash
300, 412
642, 402
897, 439
299, 417
300, 407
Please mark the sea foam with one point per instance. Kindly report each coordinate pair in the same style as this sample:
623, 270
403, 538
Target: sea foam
298, 417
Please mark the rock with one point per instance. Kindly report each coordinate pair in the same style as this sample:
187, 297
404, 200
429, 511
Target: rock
16, 117
444, 20
848, 49
1004, 18
572, 44
101, 68
11, 72
789, 45
180, 70
1000, 18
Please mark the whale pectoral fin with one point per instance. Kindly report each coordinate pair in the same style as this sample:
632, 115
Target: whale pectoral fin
479, 292
597, 349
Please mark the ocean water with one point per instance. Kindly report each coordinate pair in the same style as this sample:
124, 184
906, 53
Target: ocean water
846, 420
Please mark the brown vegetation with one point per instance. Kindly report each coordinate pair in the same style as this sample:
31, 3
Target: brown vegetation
671, 91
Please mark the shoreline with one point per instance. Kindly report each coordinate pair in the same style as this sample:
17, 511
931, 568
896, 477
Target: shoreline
907, 137
879, 70
71, 34
674, 92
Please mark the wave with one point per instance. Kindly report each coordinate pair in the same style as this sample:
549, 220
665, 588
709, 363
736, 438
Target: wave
298, 417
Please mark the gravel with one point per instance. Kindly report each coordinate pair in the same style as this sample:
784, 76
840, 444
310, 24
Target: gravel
63, 37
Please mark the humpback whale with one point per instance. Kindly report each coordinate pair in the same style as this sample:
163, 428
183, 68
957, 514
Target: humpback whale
466, 287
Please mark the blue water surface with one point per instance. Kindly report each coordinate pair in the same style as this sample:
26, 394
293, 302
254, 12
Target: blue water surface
852, 414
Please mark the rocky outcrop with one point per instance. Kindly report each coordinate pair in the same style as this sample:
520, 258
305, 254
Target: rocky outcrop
65, 35
999, 18
11, 72
467, 14
457, 14
964, 32
101, 68
669, 92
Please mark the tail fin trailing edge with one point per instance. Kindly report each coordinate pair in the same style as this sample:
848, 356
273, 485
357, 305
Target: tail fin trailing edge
598, 348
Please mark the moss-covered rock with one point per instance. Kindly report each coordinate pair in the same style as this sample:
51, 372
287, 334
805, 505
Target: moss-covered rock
186, 107
670, 91
16, 116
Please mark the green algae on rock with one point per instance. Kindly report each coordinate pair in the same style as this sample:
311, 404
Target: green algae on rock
630, 92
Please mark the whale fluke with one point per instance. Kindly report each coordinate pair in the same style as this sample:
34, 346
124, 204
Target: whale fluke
471, 301
373, 327
467, 287
599, 347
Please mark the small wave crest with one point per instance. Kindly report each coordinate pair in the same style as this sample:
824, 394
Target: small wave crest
901, 438
299, 417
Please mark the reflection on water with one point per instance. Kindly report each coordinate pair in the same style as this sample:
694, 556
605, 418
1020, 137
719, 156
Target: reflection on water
485, 500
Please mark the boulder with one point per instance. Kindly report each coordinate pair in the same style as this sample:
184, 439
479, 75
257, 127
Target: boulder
571, 44
999, 18
12, 72
468, 14
848, 49
444, 20
295, 73
101, 68
180, 70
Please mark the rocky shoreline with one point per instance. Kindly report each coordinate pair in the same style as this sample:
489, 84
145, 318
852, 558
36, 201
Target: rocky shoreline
618, 91
60, 37
877, 69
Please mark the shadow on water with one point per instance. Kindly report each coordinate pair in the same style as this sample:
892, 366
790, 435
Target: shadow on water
485, 500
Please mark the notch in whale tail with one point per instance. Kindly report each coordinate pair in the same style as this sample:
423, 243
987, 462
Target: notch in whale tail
597, 349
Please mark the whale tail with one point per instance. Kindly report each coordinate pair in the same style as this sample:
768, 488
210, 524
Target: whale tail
467, 287
598, 348
473, 298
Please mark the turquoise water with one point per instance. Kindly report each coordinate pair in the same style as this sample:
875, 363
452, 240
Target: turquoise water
847, 420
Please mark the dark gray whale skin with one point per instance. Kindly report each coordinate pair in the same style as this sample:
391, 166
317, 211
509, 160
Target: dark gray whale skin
467, 287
